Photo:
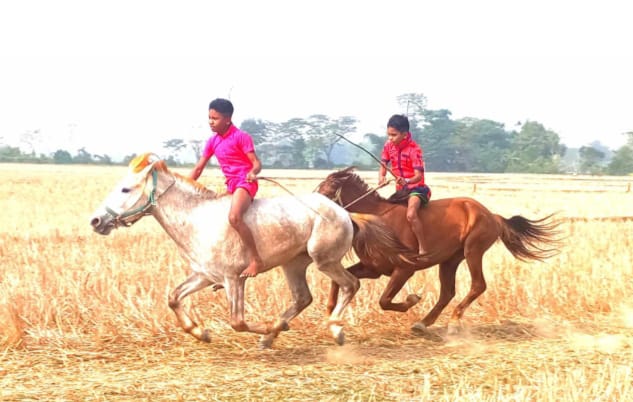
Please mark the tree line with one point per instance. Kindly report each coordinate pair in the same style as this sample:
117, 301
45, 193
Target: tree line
450, 145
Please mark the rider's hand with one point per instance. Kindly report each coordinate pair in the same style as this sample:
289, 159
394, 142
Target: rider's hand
381, 180
250, 176
402, 181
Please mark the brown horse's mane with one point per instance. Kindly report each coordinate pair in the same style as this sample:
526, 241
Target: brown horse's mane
347, 176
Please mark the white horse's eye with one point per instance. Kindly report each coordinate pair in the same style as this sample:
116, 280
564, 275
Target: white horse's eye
125, 190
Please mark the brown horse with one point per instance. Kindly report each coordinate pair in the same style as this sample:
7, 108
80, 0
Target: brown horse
455, 229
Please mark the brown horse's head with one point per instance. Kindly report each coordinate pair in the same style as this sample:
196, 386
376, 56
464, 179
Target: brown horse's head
333, 185
345, 187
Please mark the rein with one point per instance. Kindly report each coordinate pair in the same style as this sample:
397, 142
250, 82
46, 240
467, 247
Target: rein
292, 194
337, 196
123, 219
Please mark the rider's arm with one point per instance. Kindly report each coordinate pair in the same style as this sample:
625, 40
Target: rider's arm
197, 170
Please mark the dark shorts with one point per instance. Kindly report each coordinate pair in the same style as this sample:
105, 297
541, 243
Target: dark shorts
423, 192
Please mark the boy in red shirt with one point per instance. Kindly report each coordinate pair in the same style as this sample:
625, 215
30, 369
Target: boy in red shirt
407, 163
235, 152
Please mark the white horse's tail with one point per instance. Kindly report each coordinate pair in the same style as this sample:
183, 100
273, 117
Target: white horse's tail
377, 242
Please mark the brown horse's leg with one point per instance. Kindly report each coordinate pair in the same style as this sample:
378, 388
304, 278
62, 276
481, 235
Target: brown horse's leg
193, 283
483, 235
477, 287
332, 298
360, 271
398, 278
447, 271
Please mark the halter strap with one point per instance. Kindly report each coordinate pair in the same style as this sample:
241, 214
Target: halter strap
123, 219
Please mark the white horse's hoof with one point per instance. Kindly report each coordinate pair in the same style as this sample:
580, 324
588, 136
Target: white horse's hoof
337, 333
340, 339
419, 327
266, 342
453, 328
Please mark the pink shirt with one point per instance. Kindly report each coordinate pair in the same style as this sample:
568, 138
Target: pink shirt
230, 150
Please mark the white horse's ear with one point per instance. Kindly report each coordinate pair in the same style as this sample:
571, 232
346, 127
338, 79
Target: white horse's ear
143, 163
153, 158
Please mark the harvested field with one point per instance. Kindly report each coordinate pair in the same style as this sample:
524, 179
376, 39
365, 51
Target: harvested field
85, 317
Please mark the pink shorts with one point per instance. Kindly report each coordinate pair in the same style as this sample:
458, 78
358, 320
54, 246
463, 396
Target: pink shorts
250, 186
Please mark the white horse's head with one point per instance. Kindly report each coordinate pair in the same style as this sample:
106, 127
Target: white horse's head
130, 199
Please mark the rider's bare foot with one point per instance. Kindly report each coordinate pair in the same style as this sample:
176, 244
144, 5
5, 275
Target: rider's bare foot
252, 270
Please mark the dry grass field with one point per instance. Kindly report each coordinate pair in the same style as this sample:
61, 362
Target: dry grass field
84, 317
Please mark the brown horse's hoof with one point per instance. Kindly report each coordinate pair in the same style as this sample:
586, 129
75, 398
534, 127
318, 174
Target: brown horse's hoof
205, 336
412, 300
420, 328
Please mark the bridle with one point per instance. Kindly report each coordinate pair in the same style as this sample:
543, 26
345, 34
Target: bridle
127, 218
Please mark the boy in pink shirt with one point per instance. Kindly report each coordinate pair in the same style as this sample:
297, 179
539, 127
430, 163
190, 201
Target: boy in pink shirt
235, 152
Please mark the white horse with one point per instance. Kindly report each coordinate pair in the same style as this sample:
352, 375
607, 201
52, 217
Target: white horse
290, 232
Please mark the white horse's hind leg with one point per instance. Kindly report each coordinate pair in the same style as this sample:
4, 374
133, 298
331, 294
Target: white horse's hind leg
349, 285
193, 283
330, 241
235, 294
295, 272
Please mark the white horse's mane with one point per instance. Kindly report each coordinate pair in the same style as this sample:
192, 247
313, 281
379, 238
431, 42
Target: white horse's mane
199, 188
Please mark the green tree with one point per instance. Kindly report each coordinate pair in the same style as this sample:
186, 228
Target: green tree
102, 159
62, 156
257, 128
373, 143
174, 146
285, 144
321, 134
437, 139
535, 150
128, 158
197, 146
413, 105
481, 146
83, 156
10, 154
590, 160
622, 161
31, 138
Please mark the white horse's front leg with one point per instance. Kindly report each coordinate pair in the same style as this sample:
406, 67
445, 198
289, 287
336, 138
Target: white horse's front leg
193, 283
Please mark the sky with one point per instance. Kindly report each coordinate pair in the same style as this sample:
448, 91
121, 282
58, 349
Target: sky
121, 77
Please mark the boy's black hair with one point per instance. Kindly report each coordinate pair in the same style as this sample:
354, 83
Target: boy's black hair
222, 106
400, 122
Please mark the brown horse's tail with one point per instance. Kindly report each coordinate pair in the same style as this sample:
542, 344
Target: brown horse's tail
377, 242
530, 239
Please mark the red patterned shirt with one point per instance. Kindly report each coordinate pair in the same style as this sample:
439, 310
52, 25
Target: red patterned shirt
404, 158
